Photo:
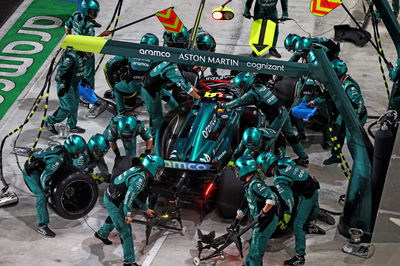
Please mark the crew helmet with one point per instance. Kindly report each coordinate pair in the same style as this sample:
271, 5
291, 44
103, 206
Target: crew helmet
75, 145
340, 67
98, 145
90, 8
290, 41
252, 138
267, 161
154, 166
178, 40
303, 45
204, 42
244, 166
243, 81
149, 39
126, 127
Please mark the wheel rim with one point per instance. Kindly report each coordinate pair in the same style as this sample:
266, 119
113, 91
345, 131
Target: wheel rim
76, 197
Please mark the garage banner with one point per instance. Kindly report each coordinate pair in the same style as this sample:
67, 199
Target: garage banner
184, 56
27, 45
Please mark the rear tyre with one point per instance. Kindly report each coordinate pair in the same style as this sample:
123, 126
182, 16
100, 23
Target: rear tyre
74, 196
230, 194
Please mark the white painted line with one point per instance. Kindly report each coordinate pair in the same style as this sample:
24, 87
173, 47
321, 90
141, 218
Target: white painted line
396, 221
388, 212
154, 250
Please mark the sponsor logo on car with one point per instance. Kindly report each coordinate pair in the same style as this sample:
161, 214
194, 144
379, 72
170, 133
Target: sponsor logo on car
187, 165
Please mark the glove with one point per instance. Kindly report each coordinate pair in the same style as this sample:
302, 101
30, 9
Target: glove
285, 14
231, 163
147, 151
234, 227
261, 217
246, 13
284, 222
97, 178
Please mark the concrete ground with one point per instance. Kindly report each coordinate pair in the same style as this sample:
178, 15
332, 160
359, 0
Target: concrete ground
75, 244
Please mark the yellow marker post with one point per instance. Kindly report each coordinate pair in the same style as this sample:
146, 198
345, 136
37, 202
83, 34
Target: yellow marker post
262, 35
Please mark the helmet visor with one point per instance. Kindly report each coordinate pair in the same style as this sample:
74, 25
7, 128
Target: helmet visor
93, 13
98, 153
76, 154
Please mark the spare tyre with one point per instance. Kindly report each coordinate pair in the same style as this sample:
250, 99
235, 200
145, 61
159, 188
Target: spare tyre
73, 195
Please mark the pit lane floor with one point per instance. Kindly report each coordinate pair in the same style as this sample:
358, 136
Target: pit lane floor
75, 244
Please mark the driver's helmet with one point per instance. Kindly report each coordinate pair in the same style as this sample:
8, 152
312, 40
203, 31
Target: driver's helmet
204, 42
340, 67
149, 39
290, 41
303, 46
126, 128
154, 166
244, 166
90, 8
266, 161
178, 40
252, 138
75, 146
98, 145
243, 81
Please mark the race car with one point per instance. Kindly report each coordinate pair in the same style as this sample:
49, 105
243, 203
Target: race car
197, 141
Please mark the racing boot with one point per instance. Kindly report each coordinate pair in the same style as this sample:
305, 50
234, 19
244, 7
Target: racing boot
325, 217
77, 130
273, 52
301, 161
51, 128
108, 94
105, 241
296, 260
331, 160
43, 229
312, 228
98, 108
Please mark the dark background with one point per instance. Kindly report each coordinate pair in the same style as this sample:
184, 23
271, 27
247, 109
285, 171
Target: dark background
7, 9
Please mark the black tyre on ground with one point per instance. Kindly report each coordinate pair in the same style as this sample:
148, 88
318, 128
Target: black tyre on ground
230, 194
73, 195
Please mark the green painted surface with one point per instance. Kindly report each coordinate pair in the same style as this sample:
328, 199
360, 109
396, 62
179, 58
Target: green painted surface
49, 8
